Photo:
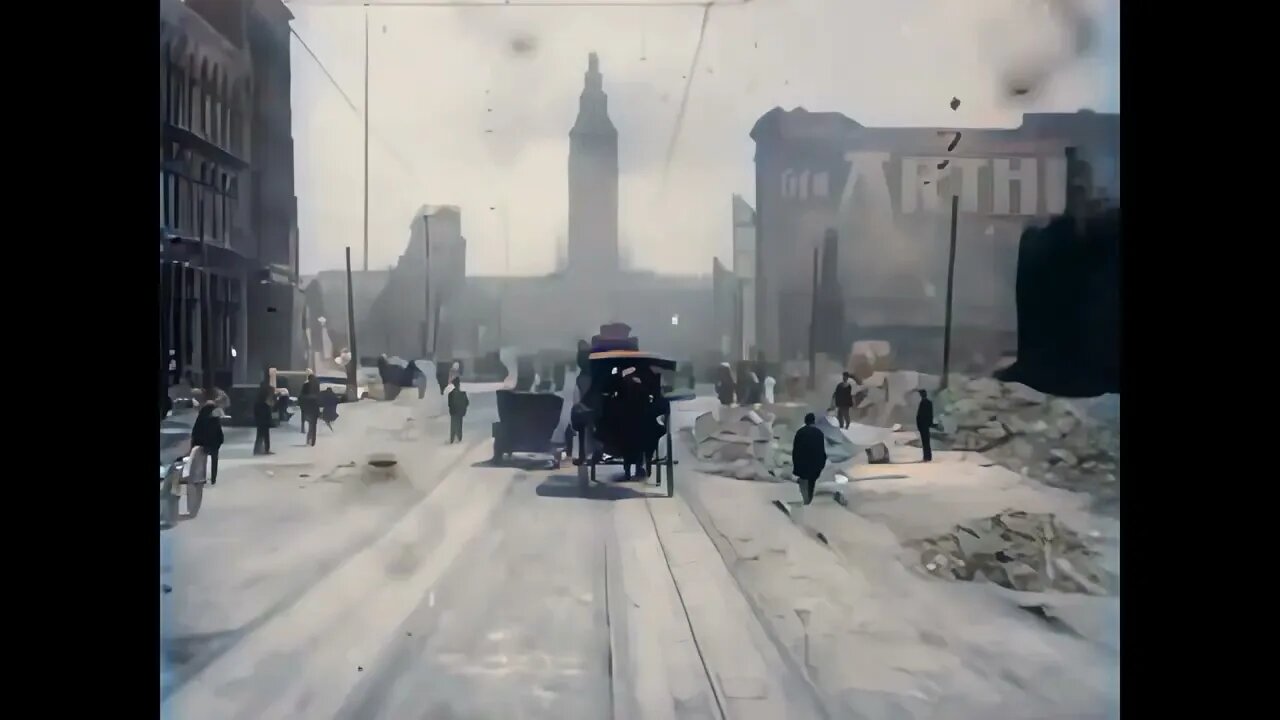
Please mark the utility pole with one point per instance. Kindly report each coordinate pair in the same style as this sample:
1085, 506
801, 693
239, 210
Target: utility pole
435, 326
813, 326
352, 390
506, 269
426, 280
366, 138
951, 274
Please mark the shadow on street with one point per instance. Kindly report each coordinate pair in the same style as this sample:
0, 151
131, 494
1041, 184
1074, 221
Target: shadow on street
566, 486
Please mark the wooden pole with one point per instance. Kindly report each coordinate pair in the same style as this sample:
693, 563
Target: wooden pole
366, 140
352, 390
951, 275
813, 326
435, 327
426, 282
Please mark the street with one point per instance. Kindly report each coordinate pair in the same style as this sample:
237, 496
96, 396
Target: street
314, 585
451, 589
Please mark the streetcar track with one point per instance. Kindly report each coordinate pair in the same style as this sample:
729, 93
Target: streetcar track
200, 661
730, 558
715, 691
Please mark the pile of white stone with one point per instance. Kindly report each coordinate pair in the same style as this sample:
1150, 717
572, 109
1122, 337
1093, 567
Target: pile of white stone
754, 443
1017, 550
1069, 443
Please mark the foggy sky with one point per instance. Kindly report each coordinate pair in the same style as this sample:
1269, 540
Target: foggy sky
437, 72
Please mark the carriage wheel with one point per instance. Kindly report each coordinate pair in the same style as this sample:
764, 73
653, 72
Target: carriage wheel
671, 470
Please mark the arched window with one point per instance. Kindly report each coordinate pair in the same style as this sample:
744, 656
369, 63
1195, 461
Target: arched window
177, 81
189, 97
164, 81
205, 206
195, 101
179, 216
219, 106
225, 186
202, 100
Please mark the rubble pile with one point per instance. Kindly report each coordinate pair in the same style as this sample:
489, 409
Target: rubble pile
1073, 444
1017, 550
754, 443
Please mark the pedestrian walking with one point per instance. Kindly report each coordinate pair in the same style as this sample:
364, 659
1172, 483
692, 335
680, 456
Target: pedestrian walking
809, 456
262, 417
206, 433
309, 406
725, 385
195, 480
842, 400
328, 407
458, 403
924, 421
769, 382
442, 376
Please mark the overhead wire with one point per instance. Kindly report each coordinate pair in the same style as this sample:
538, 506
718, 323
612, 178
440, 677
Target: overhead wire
517, 3
684, 97
386, 146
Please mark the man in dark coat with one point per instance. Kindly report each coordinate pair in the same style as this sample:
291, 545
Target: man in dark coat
808, 456
842, 399
639, 426
309, 404
725, 384
458, 403
442, 375
207, 433
262, 417
924, 421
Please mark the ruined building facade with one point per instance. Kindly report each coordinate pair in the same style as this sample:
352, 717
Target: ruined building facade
886, 193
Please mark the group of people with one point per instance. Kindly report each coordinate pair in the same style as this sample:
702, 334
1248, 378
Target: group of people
746, 389
314, 404
809, 449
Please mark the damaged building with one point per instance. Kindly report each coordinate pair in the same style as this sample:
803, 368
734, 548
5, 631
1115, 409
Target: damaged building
885, 192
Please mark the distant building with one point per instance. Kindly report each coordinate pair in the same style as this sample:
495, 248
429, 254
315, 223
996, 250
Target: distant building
326, 310
472, 316
733, 288
669, 314
593, 183
886, 192
744, 266
227, 210
402, 321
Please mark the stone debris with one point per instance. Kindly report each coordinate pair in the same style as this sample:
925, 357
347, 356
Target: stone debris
754, 443
1020, 551
1068, 443
868, 357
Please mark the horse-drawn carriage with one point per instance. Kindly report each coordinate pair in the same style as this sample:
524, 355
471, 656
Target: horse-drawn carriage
623, 410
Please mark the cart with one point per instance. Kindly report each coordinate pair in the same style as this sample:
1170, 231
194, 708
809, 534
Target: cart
624, 417
527, 423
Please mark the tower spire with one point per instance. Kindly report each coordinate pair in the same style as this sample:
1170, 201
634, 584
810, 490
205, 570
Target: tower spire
593, 104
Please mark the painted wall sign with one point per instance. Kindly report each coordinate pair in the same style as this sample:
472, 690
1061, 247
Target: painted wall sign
1006, 186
